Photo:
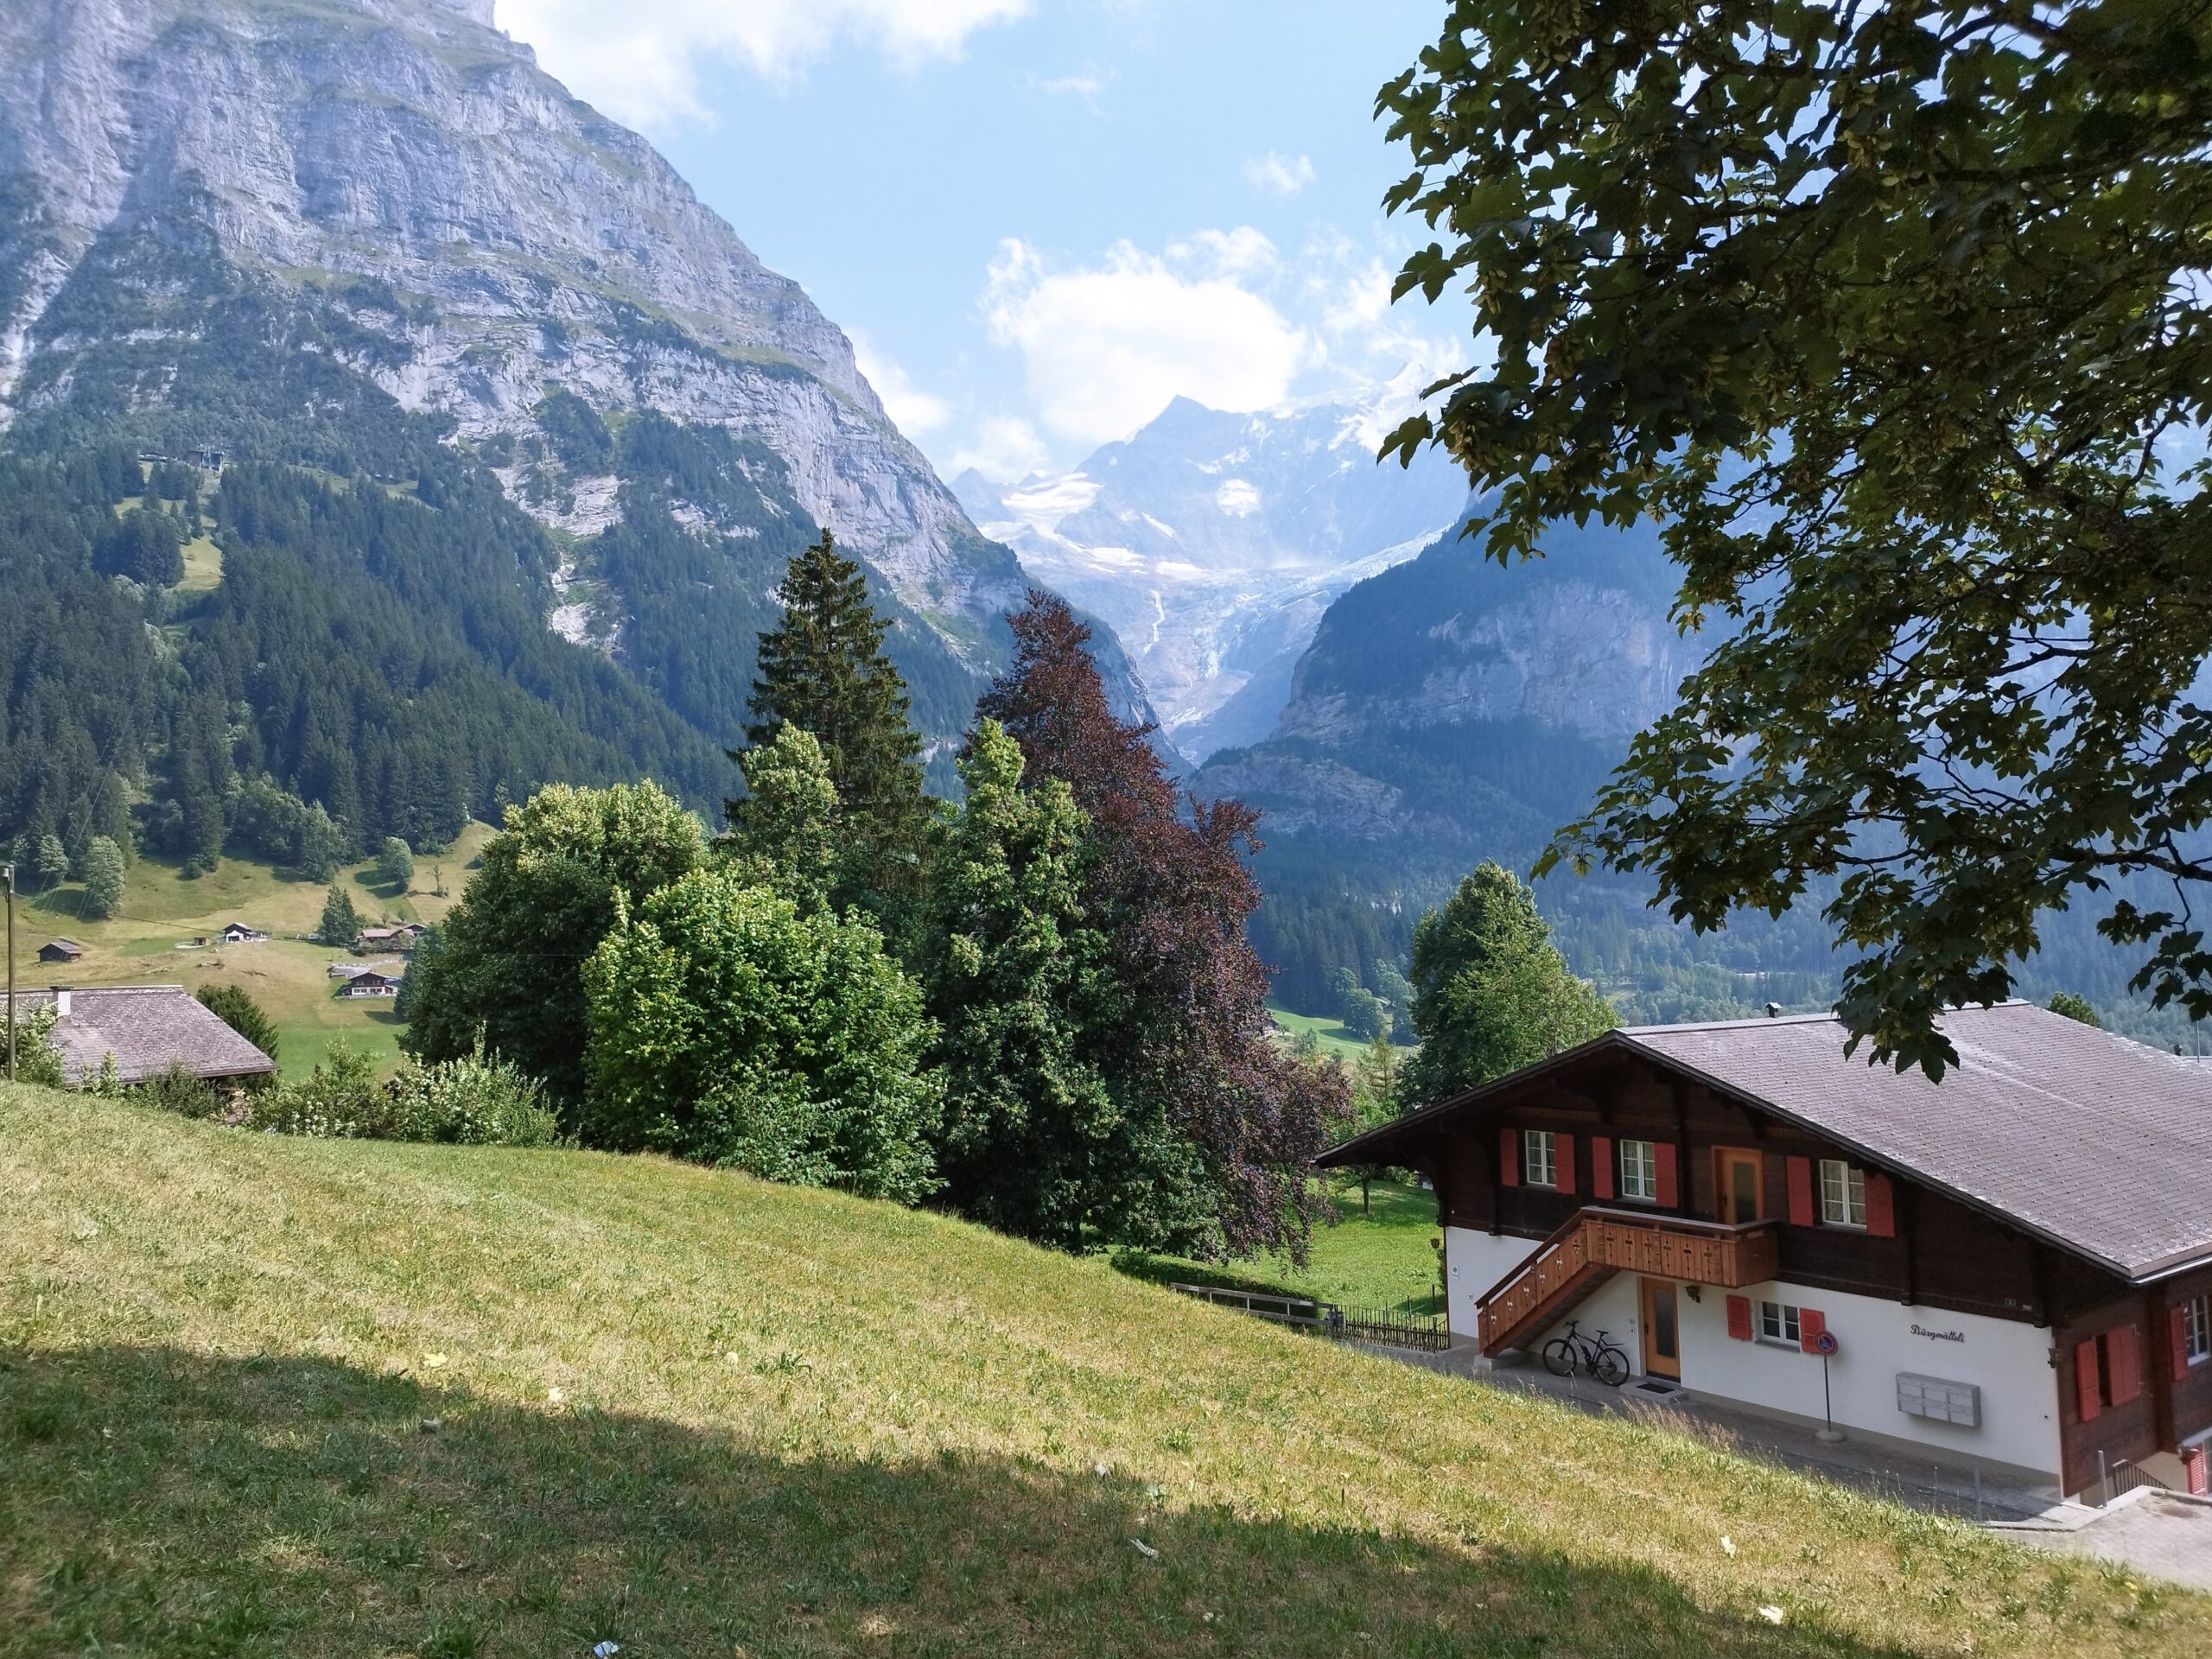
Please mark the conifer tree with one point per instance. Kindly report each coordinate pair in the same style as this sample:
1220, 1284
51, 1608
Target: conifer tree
822, 670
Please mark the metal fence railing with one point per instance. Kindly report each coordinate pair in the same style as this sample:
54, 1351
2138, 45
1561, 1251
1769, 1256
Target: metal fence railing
1385, 1326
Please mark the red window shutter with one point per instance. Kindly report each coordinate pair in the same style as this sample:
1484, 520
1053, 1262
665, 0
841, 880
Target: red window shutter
1881, 1207
1810, 1323
1800, 1192
2177, 1341
1508, 1157
1601, 1166
1563, 1168
2124, 1363
2086, 1392
2200, 1477
1739, 1318
1669, 1179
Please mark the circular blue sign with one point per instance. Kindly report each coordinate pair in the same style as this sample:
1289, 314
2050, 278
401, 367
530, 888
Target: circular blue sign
1824, 1343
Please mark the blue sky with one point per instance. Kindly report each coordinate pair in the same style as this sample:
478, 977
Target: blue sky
1042, 219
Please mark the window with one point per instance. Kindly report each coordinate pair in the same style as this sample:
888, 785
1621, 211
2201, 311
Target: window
1778, 1322
2197, 1330
1639, 1171
1843, 1193
1539, 1164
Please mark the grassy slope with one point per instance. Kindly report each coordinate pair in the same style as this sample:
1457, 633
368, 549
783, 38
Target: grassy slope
1336, 1040
1383, 1259
161, 911
794, 1423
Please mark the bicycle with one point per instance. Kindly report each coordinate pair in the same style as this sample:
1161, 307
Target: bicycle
1564, 1355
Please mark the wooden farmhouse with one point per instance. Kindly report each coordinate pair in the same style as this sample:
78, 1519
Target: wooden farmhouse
61, 951
2012, 1268
370, 984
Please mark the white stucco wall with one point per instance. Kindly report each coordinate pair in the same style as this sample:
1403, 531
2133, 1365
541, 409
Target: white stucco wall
2008, 1359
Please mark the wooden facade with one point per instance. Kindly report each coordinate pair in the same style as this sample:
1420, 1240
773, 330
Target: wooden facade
2115, 1344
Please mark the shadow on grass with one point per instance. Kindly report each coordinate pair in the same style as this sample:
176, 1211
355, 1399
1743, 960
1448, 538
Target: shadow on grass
165, 1503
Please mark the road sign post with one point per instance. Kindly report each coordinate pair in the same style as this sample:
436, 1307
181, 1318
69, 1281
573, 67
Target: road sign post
1825, 1345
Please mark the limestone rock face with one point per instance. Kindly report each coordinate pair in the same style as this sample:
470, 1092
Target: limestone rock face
1453, 708
405, 162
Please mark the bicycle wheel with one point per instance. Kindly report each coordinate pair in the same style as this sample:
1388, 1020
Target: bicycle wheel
1559, 1357
1612, 1367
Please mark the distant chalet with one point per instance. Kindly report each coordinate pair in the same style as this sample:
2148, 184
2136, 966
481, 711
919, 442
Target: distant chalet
148, 1028
61, 951
239, 933
2012, 1267
370, 984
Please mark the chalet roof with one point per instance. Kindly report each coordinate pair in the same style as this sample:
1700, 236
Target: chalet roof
146, 1028
2098, 1144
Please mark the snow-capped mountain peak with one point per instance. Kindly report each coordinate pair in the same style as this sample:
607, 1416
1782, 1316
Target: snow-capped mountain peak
1211, 542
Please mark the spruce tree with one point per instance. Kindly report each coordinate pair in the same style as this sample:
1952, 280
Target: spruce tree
822, 670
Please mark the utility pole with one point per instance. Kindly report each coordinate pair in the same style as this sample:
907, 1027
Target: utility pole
8, 873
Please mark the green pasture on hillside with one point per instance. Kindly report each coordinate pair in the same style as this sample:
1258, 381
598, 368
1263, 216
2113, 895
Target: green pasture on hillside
263, 1396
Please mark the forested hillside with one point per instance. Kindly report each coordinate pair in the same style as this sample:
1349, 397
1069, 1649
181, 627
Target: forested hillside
1451, 711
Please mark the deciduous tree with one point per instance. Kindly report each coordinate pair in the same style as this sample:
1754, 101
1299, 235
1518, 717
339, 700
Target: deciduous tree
728, 1028
1169, 885
1894, 316
509, 966
1492, 993
235, 1007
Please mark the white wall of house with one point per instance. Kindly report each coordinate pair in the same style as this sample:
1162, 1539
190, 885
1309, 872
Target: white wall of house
2008, 1359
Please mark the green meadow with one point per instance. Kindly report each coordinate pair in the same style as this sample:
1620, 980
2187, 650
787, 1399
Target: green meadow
264, 1397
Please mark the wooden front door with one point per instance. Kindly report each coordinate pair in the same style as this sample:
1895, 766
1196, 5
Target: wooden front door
1741, 1197
1663, 1332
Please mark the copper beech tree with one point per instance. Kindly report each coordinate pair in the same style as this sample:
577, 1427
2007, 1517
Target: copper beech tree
1168, 886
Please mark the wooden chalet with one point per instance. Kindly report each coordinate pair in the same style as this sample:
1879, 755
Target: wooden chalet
2012, 1267
61, 951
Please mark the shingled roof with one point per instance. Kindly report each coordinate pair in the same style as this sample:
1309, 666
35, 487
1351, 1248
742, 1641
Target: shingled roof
2099, 1144
148, 1028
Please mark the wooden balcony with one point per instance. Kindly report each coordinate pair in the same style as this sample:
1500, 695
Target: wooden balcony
1596, 1244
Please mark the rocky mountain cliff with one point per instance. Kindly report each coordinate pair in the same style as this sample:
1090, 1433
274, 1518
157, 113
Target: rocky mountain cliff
420, 206
1213, 542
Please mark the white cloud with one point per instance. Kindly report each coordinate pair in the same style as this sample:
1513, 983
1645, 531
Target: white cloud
1105, 347
915, 412
1279, 175
639, 59
1087, 84
1006, 449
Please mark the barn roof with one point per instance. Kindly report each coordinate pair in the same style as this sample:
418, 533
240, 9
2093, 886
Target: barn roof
147, 1028
2099, 1144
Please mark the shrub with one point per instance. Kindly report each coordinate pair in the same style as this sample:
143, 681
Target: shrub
36, 1058
178, 1091
473, 1102
340, 1100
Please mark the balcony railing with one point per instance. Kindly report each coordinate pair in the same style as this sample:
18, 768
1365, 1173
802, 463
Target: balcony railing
1595, 1243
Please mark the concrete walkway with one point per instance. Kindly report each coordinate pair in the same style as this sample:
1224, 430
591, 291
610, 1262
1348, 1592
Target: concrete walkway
2151, 1532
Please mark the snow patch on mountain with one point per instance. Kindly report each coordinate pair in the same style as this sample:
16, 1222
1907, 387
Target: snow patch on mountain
1212, 543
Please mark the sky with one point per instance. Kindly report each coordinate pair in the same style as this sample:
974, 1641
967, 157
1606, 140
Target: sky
1040, 221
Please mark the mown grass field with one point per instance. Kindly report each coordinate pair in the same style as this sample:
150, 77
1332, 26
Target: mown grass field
263, 1396
146, 942
1336, 1041
1382, 1258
